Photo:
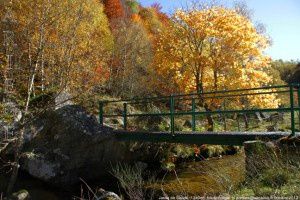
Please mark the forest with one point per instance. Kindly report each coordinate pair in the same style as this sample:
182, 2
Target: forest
59, 51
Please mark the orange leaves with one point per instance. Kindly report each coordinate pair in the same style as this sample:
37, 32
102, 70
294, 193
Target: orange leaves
101, 74
135, 17
113, 9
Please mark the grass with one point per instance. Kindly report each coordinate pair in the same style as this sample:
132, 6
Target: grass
278, 176
227, 176
132, 181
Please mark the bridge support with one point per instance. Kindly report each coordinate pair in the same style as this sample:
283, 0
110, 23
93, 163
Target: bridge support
101, 113
125, 116
292, 110
257, 154
193, 115
298, 106
172, 117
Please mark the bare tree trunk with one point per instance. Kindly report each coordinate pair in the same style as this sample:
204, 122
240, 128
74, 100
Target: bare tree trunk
43, 72
20, 136
205, 105
31, 83
209, 118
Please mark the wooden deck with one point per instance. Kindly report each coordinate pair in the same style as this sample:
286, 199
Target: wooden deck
217, 138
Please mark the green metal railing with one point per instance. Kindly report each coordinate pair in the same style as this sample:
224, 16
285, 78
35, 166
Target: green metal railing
223, 96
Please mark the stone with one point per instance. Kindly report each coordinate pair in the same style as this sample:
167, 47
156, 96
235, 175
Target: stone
70, 144
20, 195
106, 195
13, 109
39, 166
8, 129
64, 98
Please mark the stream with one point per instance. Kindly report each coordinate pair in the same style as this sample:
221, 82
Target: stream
212, 176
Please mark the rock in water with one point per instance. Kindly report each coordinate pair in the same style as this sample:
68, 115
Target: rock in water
70, 144
106, 195
20, 195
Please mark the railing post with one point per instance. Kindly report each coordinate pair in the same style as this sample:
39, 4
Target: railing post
101, 113
172, 118
193, 114
292, 109
298, 85
224, 115
238, 122
125, 116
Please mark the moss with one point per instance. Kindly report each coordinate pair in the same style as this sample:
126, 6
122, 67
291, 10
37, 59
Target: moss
183, 151
209, 151
163, 127
168, 166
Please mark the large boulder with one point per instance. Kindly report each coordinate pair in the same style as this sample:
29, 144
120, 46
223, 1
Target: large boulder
63, 99
67, 144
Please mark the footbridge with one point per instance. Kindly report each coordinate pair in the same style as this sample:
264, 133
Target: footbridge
226, 117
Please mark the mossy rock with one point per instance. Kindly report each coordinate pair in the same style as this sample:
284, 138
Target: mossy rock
209, 151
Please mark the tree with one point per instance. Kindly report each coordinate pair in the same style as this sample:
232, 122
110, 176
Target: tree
151, 21
132, 55
295, 78
284, 68
59, 46
162, 16
214, 48
114, 9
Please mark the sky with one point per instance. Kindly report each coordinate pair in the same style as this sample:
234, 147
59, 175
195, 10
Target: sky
281, 18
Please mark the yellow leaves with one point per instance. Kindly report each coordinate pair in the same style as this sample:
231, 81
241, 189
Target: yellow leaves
213, 41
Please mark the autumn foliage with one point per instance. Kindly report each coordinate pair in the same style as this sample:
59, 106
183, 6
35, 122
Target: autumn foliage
212, 49
113, 9
130, 50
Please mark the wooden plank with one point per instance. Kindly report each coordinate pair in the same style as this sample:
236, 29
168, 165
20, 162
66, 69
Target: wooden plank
199, 138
